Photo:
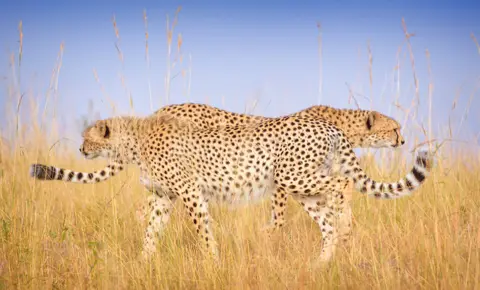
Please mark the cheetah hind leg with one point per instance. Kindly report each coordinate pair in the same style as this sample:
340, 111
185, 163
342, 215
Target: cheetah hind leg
317, 208
332, 218
279, 206
161, 206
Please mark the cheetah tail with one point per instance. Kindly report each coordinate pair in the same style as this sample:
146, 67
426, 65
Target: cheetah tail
405, 186
45, 172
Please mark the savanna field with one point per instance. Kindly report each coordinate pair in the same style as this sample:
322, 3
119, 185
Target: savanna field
56, 235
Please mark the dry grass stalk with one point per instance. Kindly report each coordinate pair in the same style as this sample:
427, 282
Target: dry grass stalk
470, 100
320, 64
370, 73
189, 80
351, 96
170, 29
53, 87
147, 58
104, 92
430, 95
475, 41
20, 39
122, 61
415, 104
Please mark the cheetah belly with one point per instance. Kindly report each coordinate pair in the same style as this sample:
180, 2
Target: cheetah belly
244, 184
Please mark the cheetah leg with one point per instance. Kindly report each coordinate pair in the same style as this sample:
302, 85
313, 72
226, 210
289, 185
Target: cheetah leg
330, 208
197, 208
343, 199
345, 224
321, 209
143, 208
279, 205
160, 209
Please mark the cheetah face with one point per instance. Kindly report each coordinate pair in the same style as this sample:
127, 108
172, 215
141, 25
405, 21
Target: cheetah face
384, 139
99, 141
380, 131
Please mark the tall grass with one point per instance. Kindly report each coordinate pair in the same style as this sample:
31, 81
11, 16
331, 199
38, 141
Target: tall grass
67, 236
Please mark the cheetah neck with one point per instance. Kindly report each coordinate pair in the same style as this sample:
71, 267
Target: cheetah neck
129, 148
343, 119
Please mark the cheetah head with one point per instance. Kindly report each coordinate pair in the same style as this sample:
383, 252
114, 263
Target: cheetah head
102, 139
379, 131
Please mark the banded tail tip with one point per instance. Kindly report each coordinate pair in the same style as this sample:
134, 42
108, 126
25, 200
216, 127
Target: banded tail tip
40, 171
425, 158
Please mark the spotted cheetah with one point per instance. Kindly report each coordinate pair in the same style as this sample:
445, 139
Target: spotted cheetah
293, 155
363, 129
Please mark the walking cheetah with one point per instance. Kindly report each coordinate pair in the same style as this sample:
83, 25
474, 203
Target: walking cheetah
363, 129
293, 155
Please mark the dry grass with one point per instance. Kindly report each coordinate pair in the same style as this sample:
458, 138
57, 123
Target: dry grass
56, 235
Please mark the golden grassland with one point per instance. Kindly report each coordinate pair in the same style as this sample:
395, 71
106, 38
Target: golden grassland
55, 235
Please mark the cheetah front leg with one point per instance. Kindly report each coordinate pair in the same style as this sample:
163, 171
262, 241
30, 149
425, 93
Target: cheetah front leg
160, 205
143, 208
197, 207
344, 223
343, 200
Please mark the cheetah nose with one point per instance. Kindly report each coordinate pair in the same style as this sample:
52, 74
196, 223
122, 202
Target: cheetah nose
403, 142
80, 149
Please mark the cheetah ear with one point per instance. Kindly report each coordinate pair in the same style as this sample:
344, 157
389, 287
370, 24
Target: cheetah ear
372, 116
103, 129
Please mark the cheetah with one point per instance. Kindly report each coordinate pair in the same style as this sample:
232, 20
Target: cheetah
363, 128
292, 155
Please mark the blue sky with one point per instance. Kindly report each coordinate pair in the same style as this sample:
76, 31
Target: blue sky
245, 50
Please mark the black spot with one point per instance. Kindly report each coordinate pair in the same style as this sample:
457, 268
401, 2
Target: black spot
102, 173
90, 176
71, 175
79, 175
